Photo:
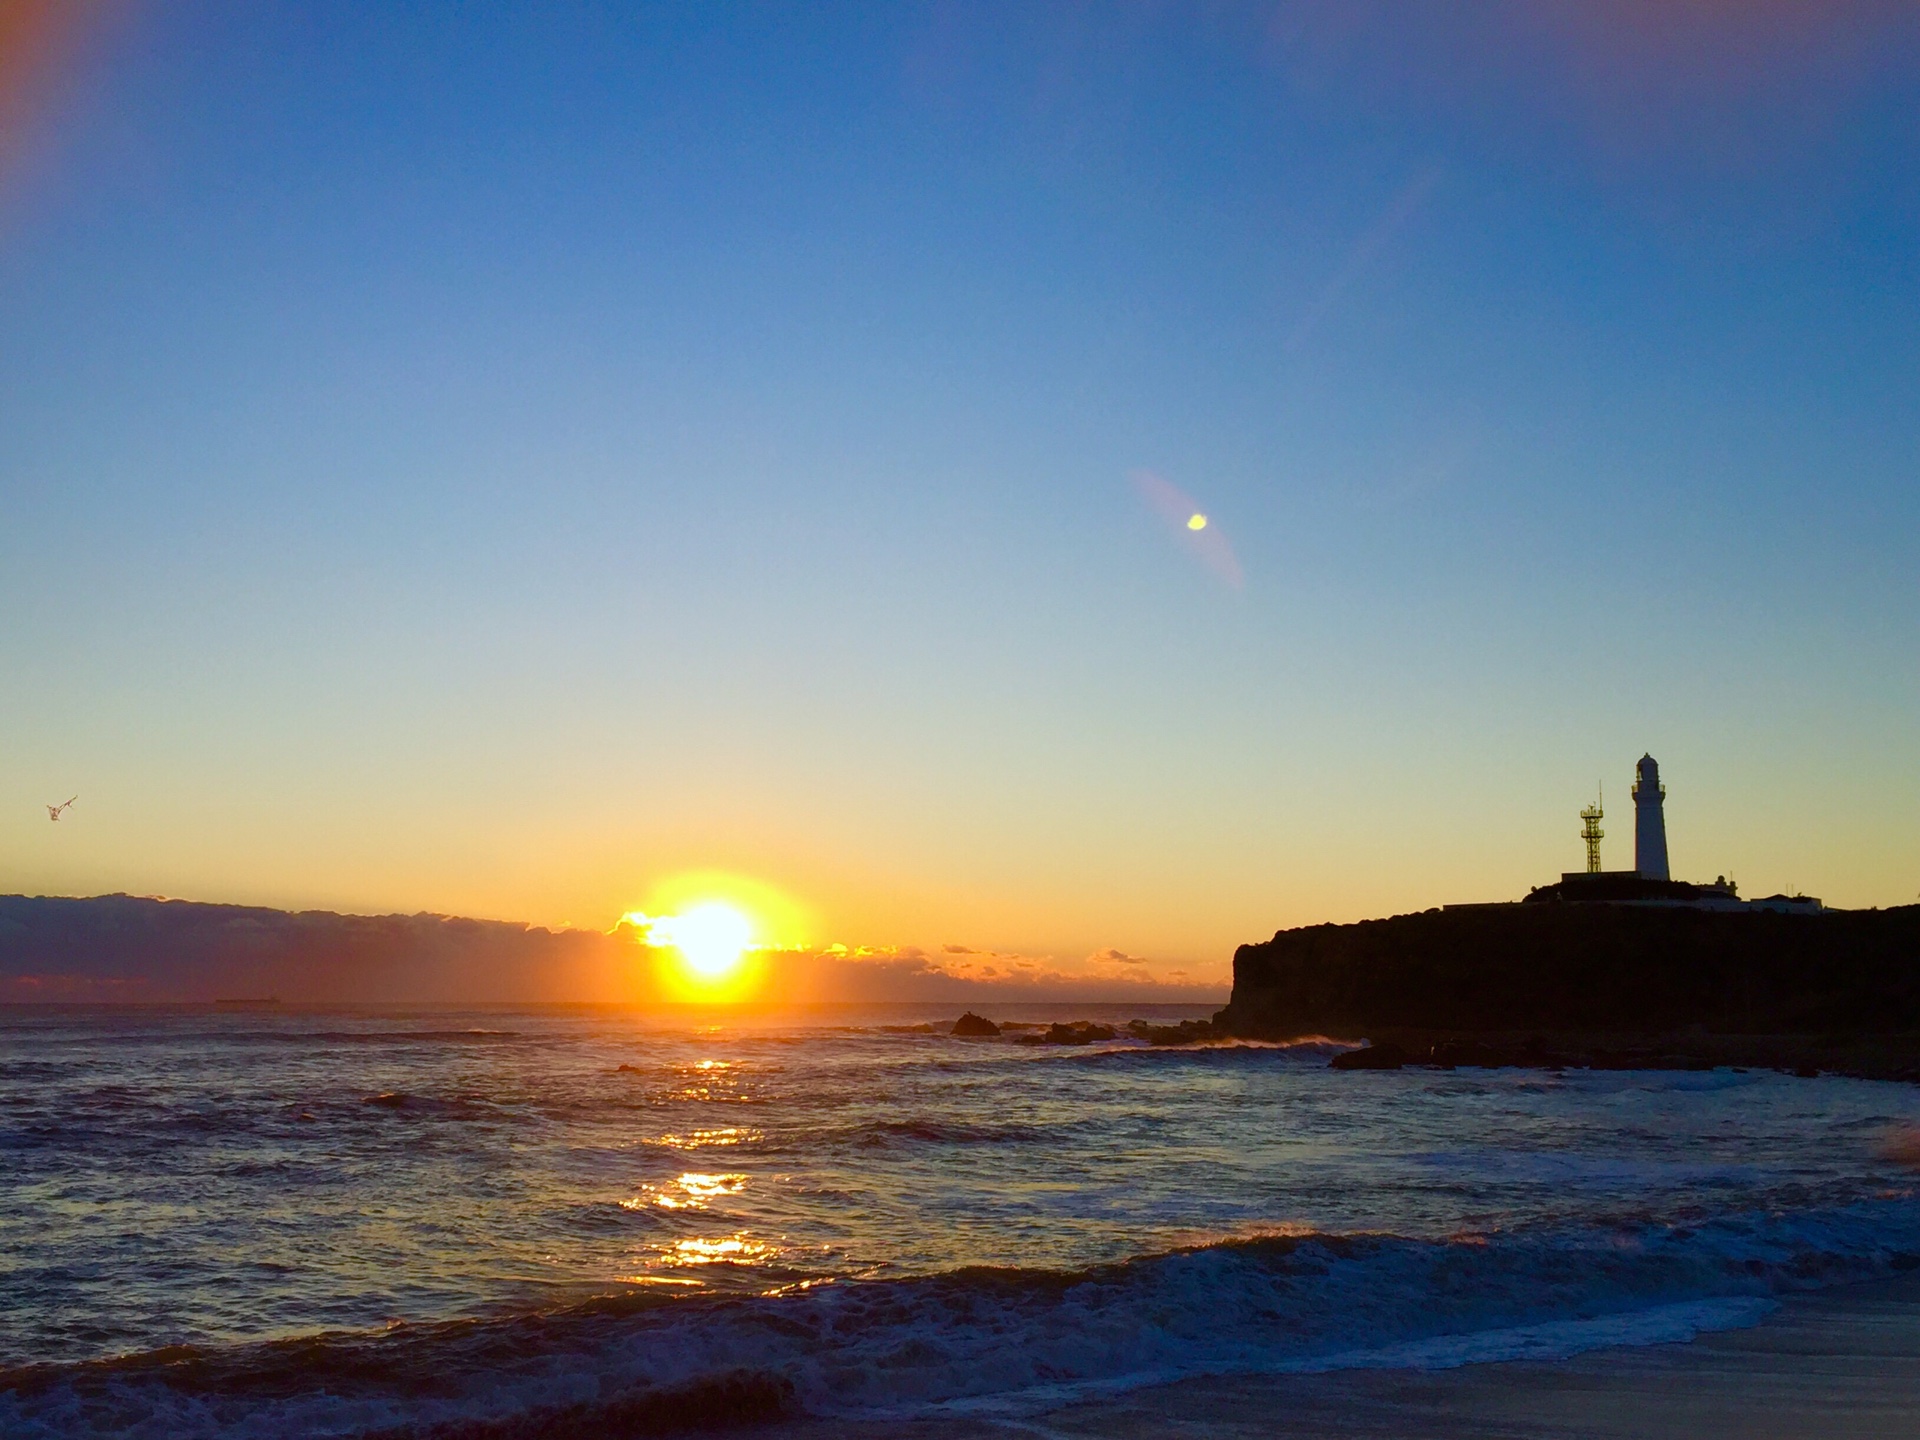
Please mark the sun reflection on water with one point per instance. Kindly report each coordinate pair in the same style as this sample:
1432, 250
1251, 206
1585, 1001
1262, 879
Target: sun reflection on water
702, 1139
726, 1250
695, 1188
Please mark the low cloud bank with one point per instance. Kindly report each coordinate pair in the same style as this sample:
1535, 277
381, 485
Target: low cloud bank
133, 948
136, 949
910, 973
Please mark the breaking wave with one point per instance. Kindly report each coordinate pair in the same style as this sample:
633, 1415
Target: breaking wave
982, 1339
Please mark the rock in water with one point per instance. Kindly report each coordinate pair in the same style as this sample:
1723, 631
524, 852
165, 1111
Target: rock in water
1080, 1032
1187, 1032
974, 1027
1373, 1057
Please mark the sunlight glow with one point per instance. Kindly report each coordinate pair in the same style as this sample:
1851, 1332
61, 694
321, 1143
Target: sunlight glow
1196, 521
712, 940
711, 936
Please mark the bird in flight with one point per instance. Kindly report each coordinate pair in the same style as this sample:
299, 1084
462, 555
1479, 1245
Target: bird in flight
54, 811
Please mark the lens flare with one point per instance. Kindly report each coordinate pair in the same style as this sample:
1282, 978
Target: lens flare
1195, 529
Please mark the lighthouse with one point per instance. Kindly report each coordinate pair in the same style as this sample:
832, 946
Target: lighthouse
1649, 821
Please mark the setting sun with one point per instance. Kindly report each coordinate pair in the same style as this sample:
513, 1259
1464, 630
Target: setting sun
712, 935
711, 938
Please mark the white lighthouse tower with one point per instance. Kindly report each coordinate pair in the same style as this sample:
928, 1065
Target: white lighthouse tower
1649, 821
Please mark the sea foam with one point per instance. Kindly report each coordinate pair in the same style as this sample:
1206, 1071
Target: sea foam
999, 1340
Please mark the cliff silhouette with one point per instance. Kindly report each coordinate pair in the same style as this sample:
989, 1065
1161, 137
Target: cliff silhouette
1591, 974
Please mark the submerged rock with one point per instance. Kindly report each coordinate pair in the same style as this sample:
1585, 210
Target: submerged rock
1479, 1054
1080, 1032
1187, 1032
1373, 1057
974, 1027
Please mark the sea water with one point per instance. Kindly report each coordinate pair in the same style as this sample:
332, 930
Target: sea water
273, 1223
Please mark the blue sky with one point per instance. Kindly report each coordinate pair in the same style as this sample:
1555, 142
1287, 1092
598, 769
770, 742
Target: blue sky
493, 459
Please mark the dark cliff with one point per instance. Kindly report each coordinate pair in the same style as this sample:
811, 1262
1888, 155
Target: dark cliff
1584, 969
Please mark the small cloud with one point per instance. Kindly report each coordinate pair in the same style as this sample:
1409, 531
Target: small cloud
960, 973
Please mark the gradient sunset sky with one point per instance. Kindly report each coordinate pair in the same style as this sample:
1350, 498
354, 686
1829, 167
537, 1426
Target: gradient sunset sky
496, 459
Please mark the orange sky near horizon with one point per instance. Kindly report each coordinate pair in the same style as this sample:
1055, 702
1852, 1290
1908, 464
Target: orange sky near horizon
501, 463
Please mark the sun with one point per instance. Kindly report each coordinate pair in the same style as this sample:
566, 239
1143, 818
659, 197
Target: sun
708, 937
712, 938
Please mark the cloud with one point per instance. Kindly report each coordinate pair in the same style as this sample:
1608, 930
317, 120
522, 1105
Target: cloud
840, 974
124, 947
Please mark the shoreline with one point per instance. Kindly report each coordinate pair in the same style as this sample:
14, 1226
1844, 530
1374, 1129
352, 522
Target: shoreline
1838, 1364
1860, 1057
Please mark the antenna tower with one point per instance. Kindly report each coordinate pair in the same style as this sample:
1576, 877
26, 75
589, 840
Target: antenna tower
1591, 832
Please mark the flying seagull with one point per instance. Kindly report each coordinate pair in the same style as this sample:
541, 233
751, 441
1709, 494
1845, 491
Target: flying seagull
53, 811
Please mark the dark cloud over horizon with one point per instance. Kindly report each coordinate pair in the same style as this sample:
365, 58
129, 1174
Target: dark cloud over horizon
139, 949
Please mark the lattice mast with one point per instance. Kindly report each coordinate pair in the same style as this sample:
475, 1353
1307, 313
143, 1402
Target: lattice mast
1591, 832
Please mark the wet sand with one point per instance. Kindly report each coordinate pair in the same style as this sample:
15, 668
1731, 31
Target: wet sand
1841, 1363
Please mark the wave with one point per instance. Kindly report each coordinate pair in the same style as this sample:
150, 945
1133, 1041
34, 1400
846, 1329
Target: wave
989, 1339
160, 1037
883, 1134
470, 1036
1313, 1051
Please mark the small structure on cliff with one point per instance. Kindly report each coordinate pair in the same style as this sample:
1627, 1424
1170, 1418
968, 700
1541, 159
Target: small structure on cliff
1651, 881
1591, 832
1650, 821
1618, 968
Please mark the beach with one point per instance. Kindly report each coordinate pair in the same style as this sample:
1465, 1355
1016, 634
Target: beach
1842, 1364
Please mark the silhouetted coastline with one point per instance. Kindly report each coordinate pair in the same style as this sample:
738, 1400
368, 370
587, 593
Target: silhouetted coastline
1605, 986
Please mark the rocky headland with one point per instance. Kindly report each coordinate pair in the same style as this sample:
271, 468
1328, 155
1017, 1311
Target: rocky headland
1599, 985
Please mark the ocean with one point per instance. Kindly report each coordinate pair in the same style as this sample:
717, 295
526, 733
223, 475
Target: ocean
395, 1223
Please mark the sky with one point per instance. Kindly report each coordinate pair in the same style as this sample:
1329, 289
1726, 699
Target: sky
502, 460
